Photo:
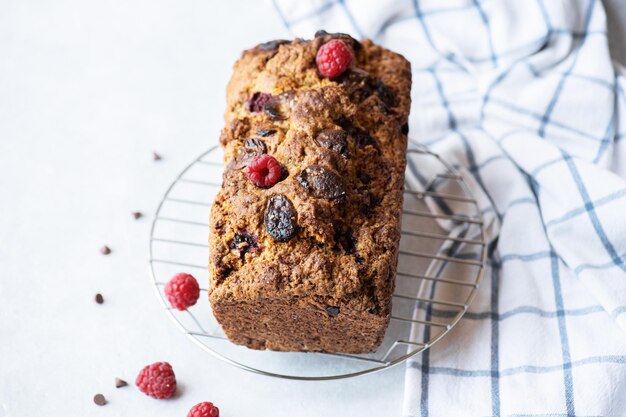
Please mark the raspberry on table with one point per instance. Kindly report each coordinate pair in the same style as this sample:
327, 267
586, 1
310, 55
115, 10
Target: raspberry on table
205, 409
182, 291
333, 58
157, 380
264, 170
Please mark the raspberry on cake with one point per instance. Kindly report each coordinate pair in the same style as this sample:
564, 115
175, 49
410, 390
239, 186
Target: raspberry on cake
304, 232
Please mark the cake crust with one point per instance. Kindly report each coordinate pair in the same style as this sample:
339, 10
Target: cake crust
309, 263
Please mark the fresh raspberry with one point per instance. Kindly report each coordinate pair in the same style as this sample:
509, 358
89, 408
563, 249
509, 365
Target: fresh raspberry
257, 101
182, 291
204, 410
157, 380
333, 58
264, 170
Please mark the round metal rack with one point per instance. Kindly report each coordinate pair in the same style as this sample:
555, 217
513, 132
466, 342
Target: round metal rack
441, 263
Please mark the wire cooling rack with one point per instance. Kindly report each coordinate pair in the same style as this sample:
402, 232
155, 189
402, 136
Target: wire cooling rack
441, 263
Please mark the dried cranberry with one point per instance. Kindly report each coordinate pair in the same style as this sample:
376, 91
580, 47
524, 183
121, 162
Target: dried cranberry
244, 242
281, 218
257, 101
322, 182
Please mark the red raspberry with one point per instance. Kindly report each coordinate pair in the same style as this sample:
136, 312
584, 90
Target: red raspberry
333, 58
157, 380
264, 170
182, 291
204, 410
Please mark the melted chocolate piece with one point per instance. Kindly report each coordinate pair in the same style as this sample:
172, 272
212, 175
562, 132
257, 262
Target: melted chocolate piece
323, 183
271, 45
333, 139
332, 311
360, 136
265, 132
281, 218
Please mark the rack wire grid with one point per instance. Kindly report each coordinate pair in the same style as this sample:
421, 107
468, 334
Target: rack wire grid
441, 263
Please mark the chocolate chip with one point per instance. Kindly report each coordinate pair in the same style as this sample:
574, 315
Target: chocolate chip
119, 383
372, 310
257, 101
99, 399
137, 214
384, 93
105, 250
405, 129
323, 183
156, 156
355, 44
332, 311
271, 45
265, 132
333, 139
345, 240
281, 218
99, 298
272, 109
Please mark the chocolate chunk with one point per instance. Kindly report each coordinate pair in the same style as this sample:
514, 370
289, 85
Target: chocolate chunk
244, 242
271, 45
257, 101
333, 139
355, 44
281, 218
277, 106
105, 250
254, 146
405, 129
370, 201
345, 240
272, 109
360, 136
363, 177
323, 183
137, 214
99, 399
372, 310
99, 298
384, 93
265, 132
119, 383
332, 311
156, 156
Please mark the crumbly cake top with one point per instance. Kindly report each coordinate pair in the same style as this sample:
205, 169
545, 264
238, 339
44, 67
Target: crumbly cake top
329, 226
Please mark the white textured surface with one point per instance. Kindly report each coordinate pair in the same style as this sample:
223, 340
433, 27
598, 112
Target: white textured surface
87, 91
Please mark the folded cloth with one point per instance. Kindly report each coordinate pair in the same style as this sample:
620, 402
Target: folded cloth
523, 96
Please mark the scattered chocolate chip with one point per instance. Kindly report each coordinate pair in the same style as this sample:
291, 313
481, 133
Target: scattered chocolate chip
372, 310
137, 214
281, 218
384, 93
284, 173
405, 129
254, 146
119, 383
344, 238
265, 132
99, 298
244, 242
156, 156
323, 183
99, 399
105, 250
332, 311
369, 202
271, 45
333, 139
257, 101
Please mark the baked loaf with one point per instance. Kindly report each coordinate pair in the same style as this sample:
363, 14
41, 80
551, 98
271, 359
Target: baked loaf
309, 263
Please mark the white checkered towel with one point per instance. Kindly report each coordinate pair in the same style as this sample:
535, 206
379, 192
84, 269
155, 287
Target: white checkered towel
522, 94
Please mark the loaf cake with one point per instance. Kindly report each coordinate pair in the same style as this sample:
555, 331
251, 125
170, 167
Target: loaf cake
304, 232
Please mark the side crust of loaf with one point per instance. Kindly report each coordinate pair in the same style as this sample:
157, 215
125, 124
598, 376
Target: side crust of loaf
309, 263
